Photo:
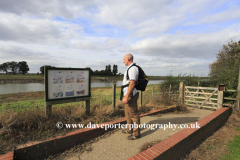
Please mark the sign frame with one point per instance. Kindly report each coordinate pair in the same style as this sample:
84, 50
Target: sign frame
65, 99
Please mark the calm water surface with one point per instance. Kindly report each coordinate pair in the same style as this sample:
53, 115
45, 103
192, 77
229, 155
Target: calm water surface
32, 87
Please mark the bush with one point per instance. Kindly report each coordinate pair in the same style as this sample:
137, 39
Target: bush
190, 80
225, 70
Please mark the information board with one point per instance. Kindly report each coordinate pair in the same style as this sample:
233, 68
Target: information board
66, 83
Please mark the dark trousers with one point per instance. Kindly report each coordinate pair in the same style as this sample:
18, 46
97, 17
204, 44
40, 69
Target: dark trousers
132, 115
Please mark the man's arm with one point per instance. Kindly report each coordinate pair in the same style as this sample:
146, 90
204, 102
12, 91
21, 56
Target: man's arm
130, 90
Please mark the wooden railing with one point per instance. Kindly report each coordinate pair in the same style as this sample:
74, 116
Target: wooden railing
232, 99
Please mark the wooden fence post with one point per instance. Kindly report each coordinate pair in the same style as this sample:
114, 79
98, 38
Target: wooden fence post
182, 93
170, 91
141, 93
153, 92
220, 99
87, 107
113, 95
198, 86
48, 111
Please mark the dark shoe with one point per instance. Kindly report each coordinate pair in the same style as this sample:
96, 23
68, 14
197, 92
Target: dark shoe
133, 137
125, 131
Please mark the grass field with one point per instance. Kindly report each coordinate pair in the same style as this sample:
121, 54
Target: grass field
32, 100
234, 147
20, 76
22, 115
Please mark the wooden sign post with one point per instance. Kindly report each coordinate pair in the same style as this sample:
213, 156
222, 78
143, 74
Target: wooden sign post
221, 88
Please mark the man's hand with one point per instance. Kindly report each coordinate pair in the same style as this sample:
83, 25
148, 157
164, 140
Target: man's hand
130, 90
125, 100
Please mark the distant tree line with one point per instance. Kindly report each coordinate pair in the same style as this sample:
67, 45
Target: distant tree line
14, 67
107, 72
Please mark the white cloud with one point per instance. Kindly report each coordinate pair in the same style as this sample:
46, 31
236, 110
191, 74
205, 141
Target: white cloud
14, 52
232, 13
102, 45
48, 9
163, 35
31, 30
180, 45
34, 59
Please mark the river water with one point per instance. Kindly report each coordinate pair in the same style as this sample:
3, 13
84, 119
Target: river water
7, 88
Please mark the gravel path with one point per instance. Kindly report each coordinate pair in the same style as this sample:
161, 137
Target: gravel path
117, 147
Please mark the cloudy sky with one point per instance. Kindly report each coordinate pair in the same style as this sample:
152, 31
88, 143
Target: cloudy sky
163, 35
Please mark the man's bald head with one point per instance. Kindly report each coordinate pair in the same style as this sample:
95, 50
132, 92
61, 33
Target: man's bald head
130, 56
128, 59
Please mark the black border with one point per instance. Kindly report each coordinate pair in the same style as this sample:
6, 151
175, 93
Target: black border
47, 68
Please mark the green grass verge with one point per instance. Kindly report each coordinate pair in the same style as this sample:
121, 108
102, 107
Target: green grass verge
20, 76
100, 96
21, 106
234, 147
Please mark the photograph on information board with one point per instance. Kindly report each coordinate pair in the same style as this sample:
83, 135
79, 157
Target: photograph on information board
57, 91
57, 77
80, 89
69, 90
80, 77
69, 77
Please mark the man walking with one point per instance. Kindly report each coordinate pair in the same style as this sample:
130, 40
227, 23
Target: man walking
131, 95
